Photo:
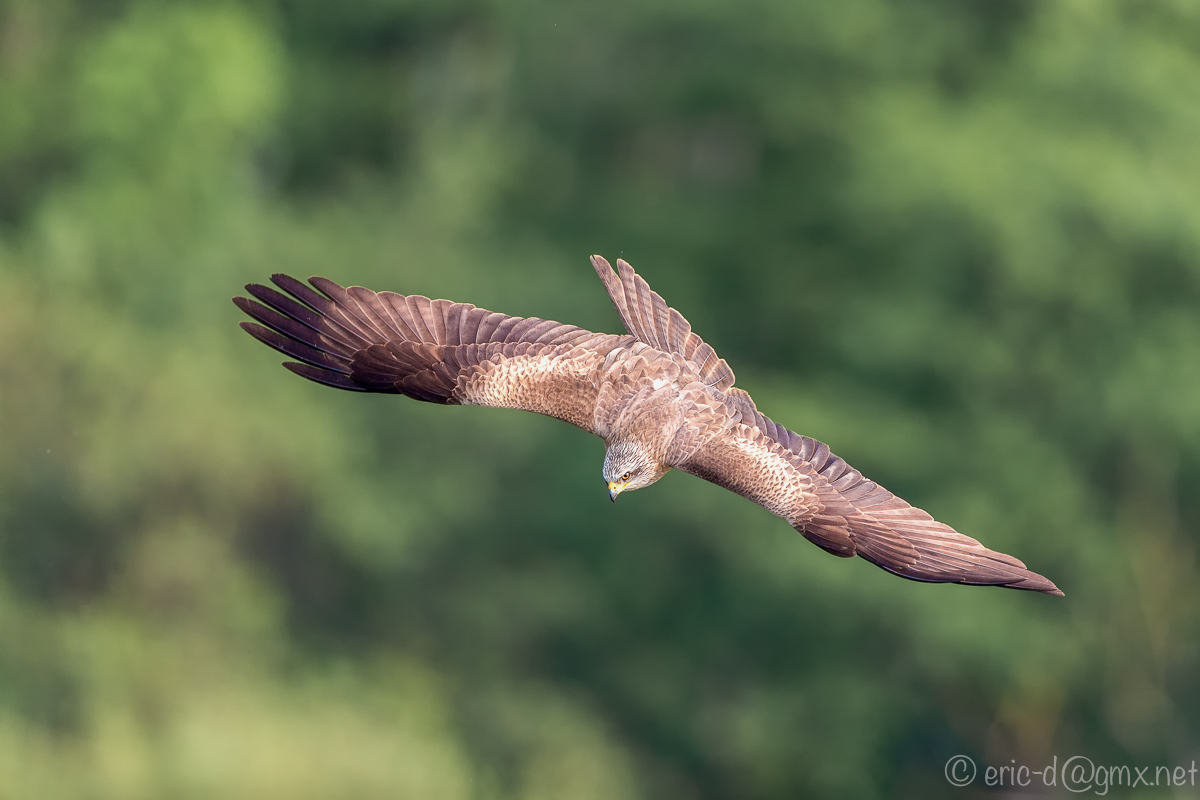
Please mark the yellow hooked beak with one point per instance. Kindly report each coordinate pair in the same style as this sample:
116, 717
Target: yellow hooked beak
615, 489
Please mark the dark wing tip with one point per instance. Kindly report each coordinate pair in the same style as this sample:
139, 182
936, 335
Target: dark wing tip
281, 278
325, 376
1024, 579
1036, 583
293, 286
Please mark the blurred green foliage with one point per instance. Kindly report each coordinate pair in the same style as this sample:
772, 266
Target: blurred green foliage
958, 241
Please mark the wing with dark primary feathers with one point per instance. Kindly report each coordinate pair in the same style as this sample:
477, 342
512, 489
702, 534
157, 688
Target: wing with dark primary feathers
835, 507
431, 350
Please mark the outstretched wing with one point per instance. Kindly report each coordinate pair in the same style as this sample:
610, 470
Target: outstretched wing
835, 507
431, 350
648, 317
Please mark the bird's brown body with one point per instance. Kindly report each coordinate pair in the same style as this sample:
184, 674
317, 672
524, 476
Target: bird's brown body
659, 396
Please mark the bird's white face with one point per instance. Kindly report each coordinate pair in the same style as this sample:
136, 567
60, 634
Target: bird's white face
627, 467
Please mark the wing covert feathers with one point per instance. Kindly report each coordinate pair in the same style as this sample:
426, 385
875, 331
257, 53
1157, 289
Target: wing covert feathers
648, 317
838, 509
431, 350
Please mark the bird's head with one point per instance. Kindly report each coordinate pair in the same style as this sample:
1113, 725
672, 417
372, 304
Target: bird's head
628, 467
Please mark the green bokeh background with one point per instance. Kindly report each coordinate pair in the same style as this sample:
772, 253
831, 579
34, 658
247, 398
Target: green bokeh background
958, 241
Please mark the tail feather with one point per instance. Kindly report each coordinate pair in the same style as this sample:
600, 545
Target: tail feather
648, 317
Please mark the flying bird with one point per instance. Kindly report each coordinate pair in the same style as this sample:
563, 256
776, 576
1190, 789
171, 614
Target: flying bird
659, 397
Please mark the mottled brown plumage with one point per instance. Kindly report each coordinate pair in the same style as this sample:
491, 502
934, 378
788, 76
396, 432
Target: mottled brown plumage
660, 397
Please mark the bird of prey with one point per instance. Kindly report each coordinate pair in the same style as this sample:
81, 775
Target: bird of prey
658, 396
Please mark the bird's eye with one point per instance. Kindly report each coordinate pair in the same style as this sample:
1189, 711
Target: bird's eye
626, 477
